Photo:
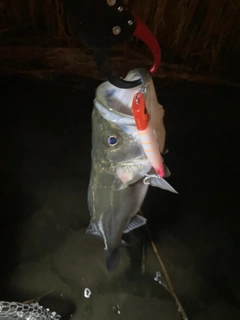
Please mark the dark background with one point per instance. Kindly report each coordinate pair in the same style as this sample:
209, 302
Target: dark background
45, 168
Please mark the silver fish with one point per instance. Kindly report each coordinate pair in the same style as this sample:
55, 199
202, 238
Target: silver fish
120, 173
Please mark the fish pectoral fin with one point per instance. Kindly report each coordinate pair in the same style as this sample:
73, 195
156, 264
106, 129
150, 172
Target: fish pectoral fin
91, 229
136, 222
124, 244
155, 181
167, 172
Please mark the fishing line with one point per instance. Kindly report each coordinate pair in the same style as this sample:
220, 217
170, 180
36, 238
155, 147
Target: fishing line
165, 273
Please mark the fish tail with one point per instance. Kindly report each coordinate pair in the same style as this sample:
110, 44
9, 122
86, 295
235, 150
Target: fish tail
112, 259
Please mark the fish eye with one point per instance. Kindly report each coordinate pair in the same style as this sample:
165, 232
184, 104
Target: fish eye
112, 141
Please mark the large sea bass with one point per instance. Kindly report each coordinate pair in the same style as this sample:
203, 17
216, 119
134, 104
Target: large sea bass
121, 165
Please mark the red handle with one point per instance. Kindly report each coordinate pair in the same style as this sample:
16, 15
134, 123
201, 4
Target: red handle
144, 34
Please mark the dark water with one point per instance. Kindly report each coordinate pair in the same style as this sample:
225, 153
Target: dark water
45, 167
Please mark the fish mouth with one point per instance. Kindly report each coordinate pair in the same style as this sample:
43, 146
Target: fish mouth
119, 101
136, 162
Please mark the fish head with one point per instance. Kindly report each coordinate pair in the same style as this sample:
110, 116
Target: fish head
117, 149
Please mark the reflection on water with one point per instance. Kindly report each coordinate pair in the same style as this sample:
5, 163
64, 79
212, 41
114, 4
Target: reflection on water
45, 167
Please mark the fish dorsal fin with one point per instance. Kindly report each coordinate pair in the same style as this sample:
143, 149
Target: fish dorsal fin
155, 181
136, 222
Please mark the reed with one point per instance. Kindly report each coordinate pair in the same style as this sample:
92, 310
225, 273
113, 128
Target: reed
201, 33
